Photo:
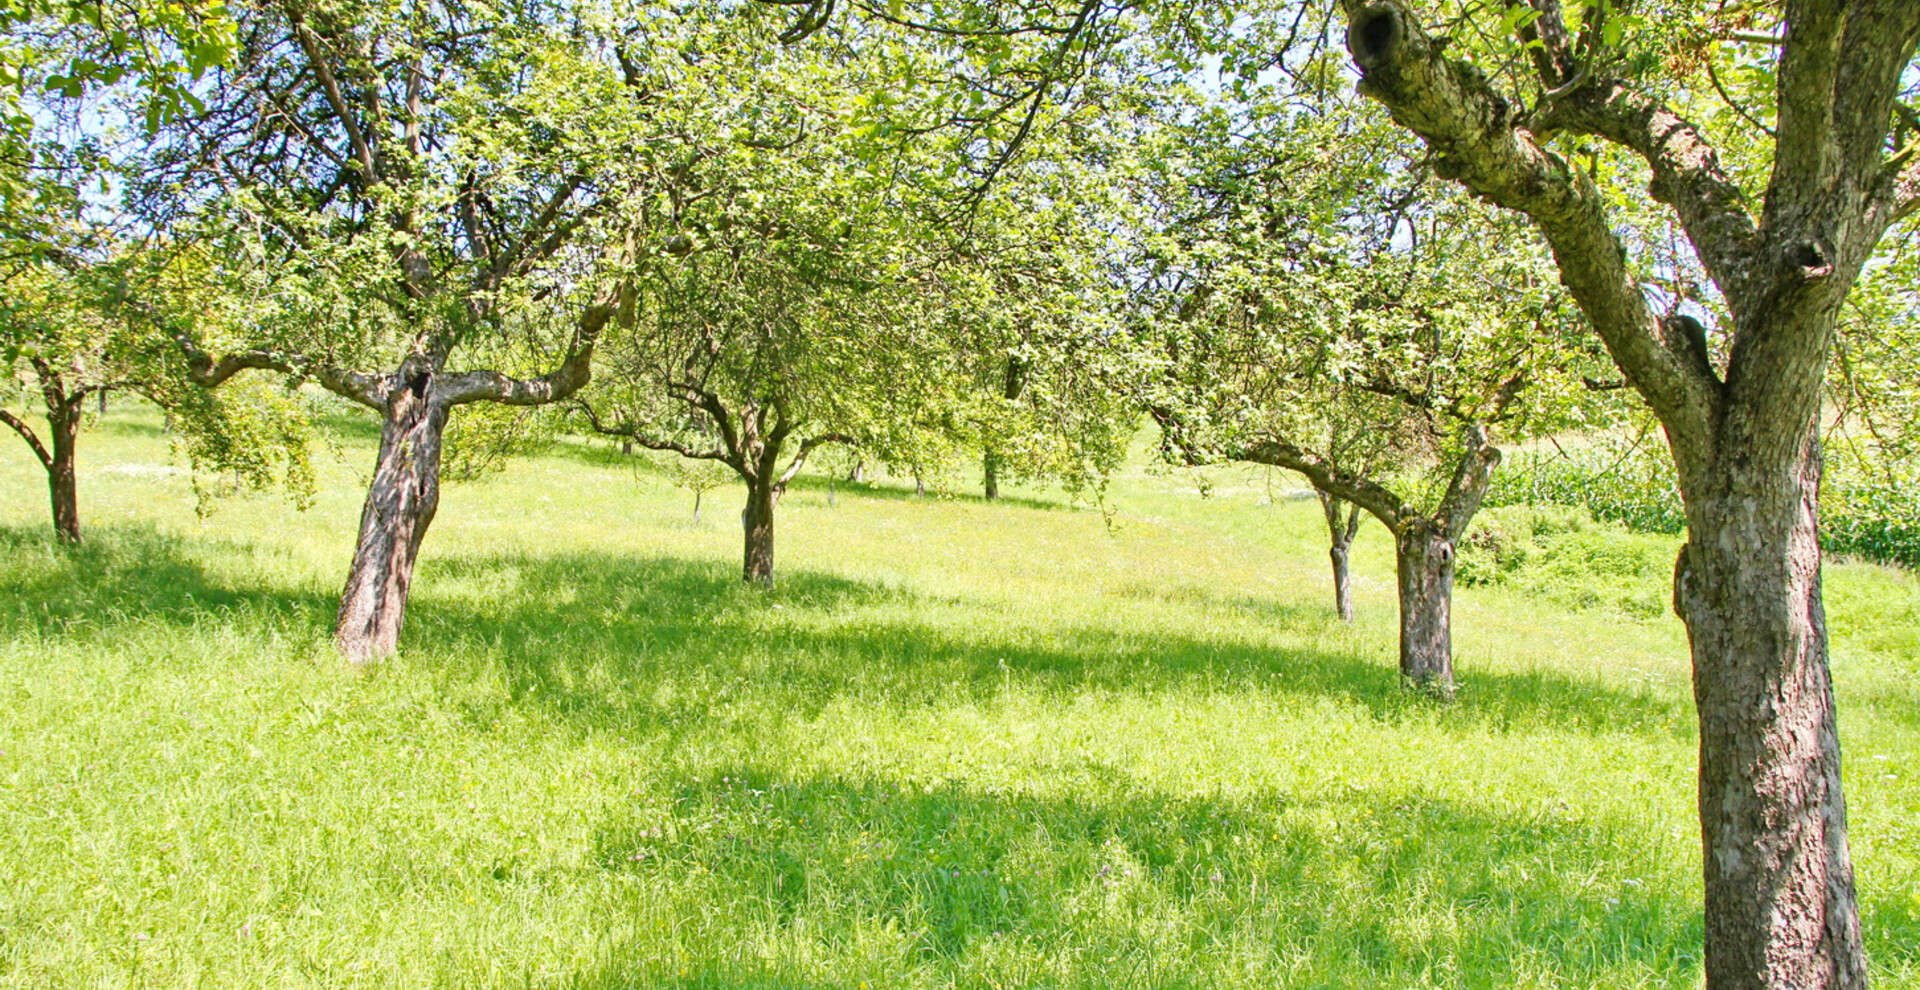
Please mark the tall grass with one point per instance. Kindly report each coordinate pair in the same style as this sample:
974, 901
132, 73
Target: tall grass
960, 745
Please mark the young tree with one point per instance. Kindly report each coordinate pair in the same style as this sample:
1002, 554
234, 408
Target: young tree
54, 342
785, 304
1781, 257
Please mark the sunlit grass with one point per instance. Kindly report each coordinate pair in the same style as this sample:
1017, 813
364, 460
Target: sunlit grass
961, 744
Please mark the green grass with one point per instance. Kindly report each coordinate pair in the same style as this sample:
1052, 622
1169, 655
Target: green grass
961, 744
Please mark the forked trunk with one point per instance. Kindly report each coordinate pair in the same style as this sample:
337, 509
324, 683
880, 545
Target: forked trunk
63, 487
400, 505
1424, 559
1341, 527
757, 521
1780, 904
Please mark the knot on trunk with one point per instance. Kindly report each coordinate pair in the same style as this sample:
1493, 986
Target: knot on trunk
1375, 35
1812, 260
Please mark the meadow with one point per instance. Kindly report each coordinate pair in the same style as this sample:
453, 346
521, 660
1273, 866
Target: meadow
960, 744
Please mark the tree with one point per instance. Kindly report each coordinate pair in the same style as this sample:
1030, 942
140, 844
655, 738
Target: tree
1781, 910
1305, 291
55, 343
79, 323
790, 299
412, 183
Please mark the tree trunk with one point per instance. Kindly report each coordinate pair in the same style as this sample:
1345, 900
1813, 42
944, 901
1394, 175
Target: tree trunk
858, 472
400, 505
1340, 533
1424, 560
1342, 582
757, 521
63, 487
991, 468
1780, 904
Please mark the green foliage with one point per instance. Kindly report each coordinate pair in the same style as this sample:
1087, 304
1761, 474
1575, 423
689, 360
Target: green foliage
1864, 513
1628, 482
1872, 520
1563, 556
483, 439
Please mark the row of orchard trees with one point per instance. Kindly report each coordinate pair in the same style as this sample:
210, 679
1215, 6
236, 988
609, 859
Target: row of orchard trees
421, 207
761, 228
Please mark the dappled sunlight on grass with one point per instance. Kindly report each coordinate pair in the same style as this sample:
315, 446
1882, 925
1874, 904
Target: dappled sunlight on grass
960, 744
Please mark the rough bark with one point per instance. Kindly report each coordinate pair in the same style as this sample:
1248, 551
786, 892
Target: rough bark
63, 486
757, 523
1773, 821
1423, 563
400, 505
1781, 910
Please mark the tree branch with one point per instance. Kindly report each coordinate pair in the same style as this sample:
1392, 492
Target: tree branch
1383, 504
1470, 480
26, 433
572, 375
203, 370
1477, 141
362, 151
651, 442
807, 447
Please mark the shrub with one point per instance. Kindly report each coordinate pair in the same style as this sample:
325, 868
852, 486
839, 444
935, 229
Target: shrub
1872, 520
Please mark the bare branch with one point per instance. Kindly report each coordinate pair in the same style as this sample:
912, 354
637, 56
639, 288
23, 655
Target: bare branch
1325, 476
651, 441
807, 447
26, 433
362, 151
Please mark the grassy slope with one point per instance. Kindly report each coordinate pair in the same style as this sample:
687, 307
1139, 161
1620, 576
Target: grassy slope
961, 745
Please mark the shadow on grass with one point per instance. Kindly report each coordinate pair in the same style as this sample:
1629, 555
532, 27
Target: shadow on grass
608, 639
122, 573
612, 639
891, 491
1114, 887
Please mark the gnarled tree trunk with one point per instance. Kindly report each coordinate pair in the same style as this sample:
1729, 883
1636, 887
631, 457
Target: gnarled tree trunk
1781, 910
757, 522
400, 506
1423, 561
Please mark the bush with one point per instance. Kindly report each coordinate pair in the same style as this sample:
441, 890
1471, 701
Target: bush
1628, 487
1877, 521
1564, 555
